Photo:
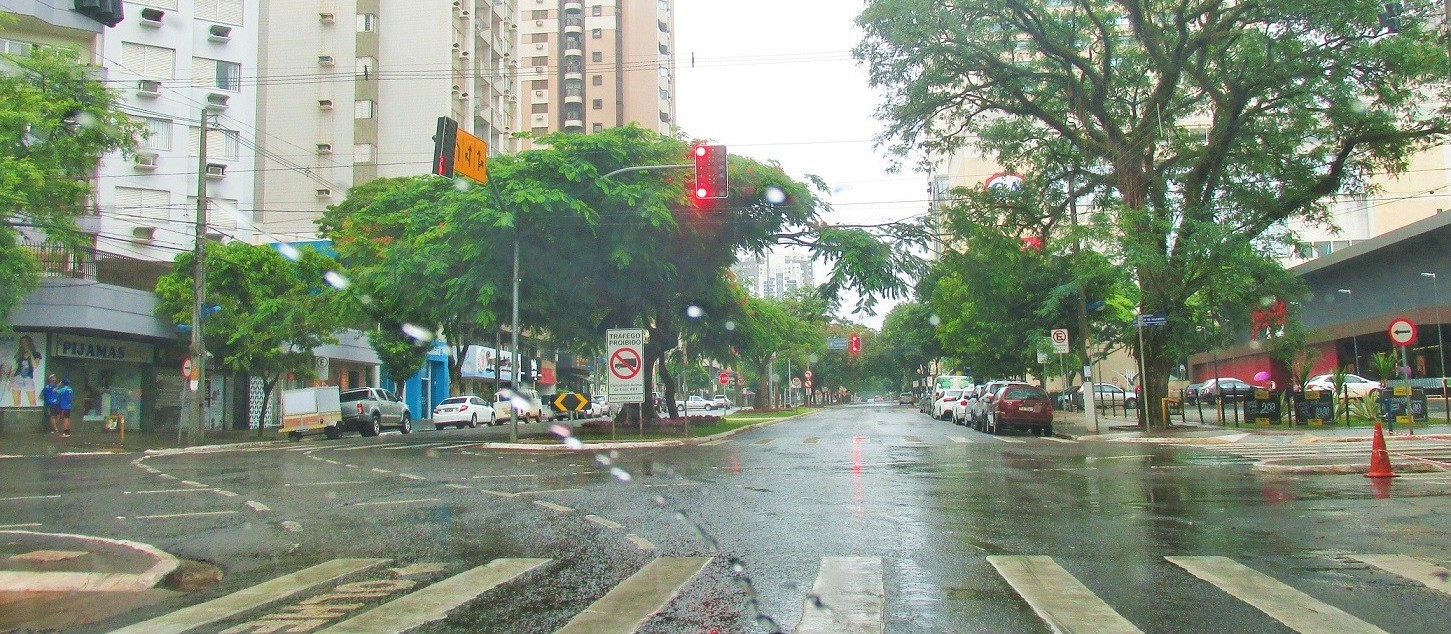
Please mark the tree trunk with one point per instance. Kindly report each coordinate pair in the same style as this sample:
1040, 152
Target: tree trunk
763, 386
669, 391
267, 385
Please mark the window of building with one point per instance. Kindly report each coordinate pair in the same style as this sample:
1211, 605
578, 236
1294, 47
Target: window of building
538, 38
664, 50
228, 11
598, 104
539, 84
664, 28
540, 61
598, 127
158, 134
367, 22
221, 144
222, 214
665, 117
597, 33
364, 109
15, 47
152, 62
596, 10
366, 65
140, 205
213, 73
363, 153
539, 15
664, 95
597, 80
539, 108
160, 4
596, 57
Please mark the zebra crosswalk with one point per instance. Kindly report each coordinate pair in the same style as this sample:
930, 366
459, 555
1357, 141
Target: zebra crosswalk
849, 596
1428, 451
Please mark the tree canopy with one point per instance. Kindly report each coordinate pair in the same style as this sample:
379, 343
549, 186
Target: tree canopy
1197, 132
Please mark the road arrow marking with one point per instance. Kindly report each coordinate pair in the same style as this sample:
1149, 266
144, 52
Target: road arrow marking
418, 570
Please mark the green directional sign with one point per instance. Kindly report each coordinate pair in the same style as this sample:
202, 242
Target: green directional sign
571, 402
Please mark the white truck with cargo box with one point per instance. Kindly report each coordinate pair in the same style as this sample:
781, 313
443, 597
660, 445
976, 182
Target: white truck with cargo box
311, 410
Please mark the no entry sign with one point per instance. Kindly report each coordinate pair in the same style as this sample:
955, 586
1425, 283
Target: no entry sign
1402, 331
626, 363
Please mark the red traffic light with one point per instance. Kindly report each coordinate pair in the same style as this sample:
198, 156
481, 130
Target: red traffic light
711, 176
854, 343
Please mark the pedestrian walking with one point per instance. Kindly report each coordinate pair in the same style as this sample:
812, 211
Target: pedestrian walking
64, 396
49, 395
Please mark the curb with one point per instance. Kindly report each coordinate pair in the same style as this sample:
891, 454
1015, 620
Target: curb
1359, 468
251, 444
25, 581
643, 444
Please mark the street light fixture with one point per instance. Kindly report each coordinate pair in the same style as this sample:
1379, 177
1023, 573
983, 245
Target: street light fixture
1354, 338
1440, 343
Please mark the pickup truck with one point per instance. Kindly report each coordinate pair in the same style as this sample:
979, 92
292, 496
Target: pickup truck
370, 409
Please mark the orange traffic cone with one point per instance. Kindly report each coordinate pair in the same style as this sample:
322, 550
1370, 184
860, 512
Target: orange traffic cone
1380, 458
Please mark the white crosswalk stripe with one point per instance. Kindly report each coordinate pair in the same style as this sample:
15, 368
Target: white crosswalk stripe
626, 607
847, 598
1297, 610
1060, 599
434, 601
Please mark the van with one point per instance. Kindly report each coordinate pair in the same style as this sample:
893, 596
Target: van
524, 400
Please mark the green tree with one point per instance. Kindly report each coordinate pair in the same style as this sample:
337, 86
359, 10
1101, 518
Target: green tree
269, 312
768, 331
1200, 130
57, 120
909, 341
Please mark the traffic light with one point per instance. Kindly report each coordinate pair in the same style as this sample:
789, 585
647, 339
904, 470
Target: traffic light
854, 343
445, 140
711, 176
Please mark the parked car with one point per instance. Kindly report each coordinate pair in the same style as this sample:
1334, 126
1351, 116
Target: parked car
695, 402
962, 409
942, 407
525, 401
1192, 392
1020, 406
977, 415
1356, 386
723, 402
1108, 395
905, 398
369, 409
461, 411
1226, 388
599, 406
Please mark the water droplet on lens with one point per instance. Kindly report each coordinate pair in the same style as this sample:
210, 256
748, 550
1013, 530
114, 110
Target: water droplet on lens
620, 474
934, 320
574, 443
561, 431
603, 460
660, 500
336, 279
288, 251
418, 333
694, 312
730, 325
737, 566
774, 195
462, 184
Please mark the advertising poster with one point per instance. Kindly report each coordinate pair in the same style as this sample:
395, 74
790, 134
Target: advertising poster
22, 369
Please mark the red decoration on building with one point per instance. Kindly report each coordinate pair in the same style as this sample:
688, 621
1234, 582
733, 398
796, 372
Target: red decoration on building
1269, 320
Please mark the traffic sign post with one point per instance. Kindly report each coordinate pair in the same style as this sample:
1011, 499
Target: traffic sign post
571, 402
1060, 340
1402, 332
188, 371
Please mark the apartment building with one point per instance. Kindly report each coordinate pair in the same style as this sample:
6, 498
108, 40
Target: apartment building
351, 91
172, 61
587, 65
775, 274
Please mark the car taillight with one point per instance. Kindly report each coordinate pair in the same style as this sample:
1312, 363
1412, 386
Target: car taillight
464, 407
360, 408
962, 402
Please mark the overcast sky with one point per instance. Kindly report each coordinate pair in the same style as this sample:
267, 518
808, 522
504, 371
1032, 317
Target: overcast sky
775, 80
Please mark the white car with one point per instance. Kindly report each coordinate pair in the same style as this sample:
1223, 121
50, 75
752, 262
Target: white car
1355, 386
962, 409
695, 402
461, 411
722, 402
942, 407
525, 401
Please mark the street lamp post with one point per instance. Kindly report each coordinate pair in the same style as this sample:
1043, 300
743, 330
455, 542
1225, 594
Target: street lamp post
1440, 343
1354, 338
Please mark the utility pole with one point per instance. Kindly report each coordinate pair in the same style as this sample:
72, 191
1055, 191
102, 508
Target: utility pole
1088, 387
515, 365
199, 288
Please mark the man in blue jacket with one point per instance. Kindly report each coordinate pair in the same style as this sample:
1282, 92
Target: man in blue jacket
48, 396
63, 398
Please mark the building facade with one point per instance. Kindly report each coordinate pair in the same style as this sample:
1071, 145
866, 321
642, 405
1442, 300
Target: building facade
775, 274
587, 65
351, 91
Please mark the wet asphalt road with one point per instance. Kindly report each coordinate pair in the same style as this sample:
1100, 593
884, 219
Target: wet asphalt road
928, 499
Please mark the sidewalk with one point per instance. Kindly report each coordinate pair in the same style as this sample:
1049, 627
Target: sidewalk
82, 442
1075, 425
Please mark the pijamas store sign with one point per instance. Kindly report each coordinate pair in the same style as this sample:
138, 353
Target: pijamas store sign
102, 349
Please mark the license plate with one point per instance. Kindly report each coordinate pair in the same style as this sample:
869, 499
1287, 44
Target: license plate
1028, 408
448, 409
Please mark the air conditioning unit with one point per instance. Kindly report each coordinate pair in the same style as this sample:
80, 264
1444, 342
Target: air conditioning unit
145, 160
219, 33
148, 88
539, 93
324, 104
216, 170
324, 60
324, 148
539, 46
463, 54
152, 17
539, 23
457, 46
323, 192
463, 96
143, 234
327, 18
218, 100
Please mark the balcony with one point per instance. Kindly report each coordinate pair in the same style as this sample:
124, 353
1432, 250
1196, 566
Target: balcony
61, 261
574, 98
573, 124
573, 6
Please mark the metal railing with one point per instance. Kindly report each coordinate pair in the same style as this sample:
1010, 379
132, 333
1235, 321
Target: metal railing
61, 261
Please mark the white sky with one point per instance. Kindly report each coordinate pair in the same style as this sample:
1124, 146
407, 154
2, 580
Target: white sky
775, 80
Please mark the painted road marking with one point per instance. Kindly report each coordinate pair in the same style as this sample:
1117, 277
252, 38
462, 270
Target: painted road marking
33, 497
1297, 610
1060, 599
378, 446
763, 441
626, 607
171, 515
911, 439
810, 440
1144, 455
604, 522
847, 597
258, 507
1062, 440
1015, 441
501, 494
715, 442
30, 525
1420, 571
640, 542
467, 444
248, 598
434, 602
325, 484
512, 475
961, 440
411, 476
553, 507
377, 470
391, 502
458, 486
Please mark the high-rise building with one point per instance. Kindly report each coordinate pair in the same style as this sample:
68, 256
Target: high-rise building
587, 65
172, 61
775, 274
352, 89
